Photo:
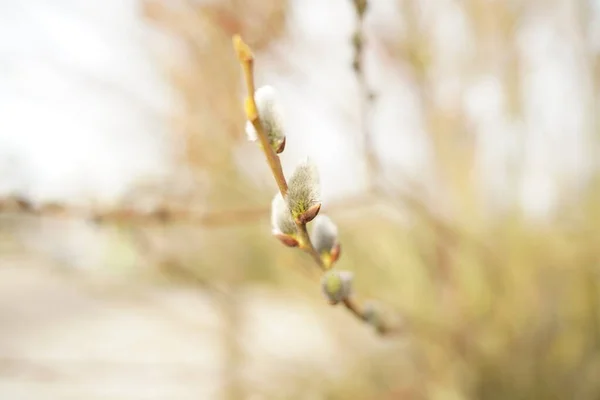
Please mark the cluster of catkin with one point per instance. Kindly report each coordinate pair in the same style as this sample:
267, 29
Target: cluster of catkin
290, 213
295, 216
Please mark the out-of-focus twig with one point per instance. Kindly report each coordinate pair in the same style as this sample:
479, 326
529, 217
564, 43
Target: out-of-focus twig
16, 205
366, 96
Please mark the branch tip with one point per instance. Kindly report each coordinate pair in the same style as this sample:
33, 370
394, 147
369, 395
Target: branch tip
243, 51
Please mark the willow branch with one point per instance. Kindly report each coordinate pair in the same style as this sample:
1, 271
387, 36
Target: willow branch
246, 60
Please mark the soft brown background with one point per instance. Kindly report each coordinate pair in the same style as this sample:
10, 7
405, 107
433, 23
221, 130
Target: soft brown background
466, 194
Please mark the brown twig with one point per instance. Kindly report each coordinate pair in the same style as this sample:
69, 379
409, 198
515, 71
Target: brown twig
161, 214
354, 308
366, 97
19, 206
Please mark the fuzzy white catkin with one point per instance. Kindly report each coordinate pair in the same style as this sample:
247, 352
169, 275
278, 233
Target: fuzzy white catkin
271, 116
281, 218
324, 234
304, 190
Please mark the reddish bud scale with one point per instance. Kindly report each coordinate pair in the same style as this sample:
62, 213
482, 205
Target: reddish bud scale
309, 214
335, 253
287, 240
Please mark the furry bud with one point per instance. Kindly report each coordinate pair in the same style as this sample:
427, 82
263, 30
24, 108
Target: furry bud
270, 116
324, 237
304, 191
337, 286
282, 224
323, 234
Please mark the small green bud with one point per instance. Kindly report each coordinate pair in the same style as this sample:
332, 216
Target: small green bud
304, 191
270, 114
337, 285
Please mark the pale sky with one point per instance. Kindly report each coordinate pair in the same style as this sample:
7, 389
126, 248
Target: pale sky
83, 104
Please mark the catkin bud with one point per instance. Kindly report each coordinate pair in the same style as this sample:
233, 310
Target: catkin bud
323, 234
271, 118
282, 224
304, 191
324, 237
337, 285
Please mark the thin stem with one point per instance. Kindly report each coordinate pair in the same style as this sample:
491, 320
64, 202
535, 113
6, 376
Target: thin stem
366, 95
354, 308
307, 246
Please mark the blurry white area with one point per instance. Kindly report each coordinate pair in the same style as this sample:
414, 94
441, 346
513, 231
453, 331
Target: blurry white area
83, 103
311, 69
558, 111
550, 145
83, 112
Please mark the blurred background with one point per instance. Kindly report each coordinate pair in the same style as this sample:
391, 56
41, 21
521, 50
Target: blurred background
457, 143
